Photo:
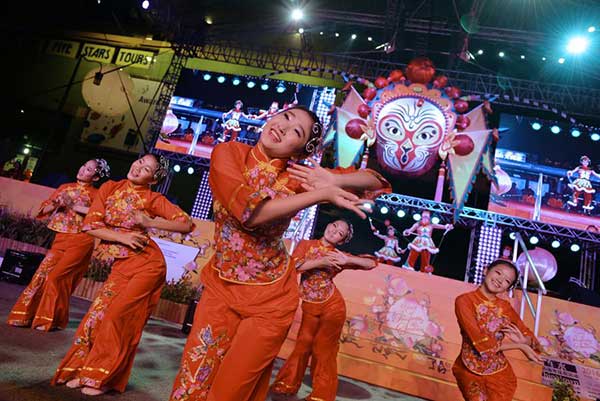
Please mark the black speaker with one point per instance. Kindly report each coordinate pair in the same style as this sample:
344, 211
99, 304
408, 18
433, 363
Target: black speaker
19, 266
186, 327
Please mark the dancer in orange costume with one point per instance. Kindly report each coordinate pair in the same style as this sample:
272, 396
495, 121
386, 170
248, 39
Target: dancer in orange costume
489, 325
423, 246
102, 354
250, 294
323, 313
44, 304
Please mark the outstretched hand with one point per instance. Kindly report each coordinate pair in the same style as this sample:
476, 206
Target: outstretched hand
532, 355
311, 177
347, 200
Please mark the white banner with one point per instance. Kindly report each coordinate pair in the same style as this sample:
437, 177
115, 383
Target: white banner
585, 379
176, 256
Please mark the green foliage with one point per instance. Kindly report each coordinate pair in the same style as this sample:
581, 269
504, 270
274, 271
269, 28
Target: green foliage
99, 269
563, 391
181, 291
23, 228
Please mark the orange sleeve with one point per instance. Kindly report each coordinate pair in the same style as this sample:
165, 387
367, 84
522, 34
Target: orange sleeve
94, 219
52, 199
299, 254
160, 206
228, 185
516, 320
467, 322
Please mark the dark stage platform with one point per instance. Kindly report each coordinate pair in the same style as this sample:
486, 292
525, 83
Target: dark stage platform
28, 359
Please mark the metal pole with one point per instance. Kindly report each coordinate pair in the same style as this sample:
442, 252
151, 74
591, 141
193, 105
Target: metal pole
538, 312
533, 268
470, 255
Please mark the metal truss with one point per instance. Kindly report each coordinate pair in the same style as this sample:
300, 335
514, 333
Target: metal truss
519, 93
470, 216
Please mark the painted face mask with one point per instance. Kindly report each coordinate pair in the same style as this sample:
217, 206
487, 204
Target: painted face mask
410, 130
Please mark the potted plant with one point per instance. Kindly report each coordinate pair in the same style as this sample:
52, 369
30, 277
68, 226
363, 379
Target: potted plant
94, 278
563, 391
175, 297
23, 233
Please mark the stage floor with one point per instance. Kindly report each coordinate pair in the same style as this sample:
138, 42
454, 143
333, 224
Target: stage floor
28, 359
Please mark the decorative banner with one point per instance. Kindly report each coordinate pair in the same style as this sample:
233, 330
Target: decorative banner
135, 58
584, 379
465, 159
109, 96
100, 53
65, 48
119, 132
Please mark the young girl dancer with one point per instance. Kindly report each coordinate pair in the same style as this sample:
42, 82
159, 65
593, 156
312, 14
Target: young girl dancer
44, 304
323, 313
102, 354
489, 325
582, 183
391, 249
232, 124
423, 245
250, 294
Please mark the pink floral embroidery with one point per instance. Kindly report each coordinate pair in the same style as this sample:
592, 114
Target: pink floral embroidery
65, 219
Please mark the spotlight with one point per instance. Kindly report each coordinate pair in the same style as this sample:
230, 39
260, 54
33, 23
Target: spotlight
337, 35
595, 137
264, 86
533, 240
512, 236
190, 170
416, 216
220, 79
480, 52
280, 88
370, 39
251, 84
236, 81
536, 126
575, 133
22, 111
301, 31
544, 58
561, 60
206, 76
555, 129
575, 248
384, 210
522, 57
435, 220
177, 168
26, 151
297, 14
145, 4
353, 36
208, 20
577, 45
321, 33
592, 29
555, 243
501, 54
401, 213
367, 206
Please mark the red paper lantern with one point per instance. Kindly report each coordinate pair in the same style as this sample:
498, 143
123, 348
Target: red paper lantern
396, 76
381, 82
420, 70
462, 122
364, 110
465, 144
354, 128
461, 105
369, 93
453, 92
440, 81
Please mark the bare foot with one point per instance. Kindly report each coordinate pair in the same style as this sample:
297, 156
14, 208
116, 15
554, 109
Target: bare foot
40, 328
93, 391
74, 383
